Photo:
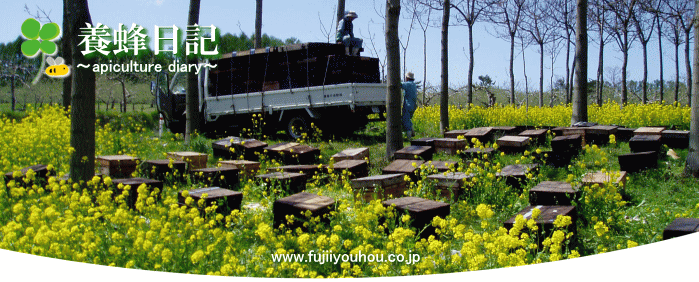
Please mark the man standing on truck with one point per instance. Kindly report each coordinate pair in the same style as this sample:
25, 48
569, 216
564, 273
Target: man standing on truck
409, 103
345, 35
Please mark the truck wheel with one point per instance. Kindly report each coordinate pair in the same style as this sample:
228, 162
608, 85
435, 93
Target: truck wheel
296, 126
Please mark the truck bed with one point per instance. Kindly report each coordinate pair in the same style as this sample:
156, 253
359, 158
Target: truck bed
348, 94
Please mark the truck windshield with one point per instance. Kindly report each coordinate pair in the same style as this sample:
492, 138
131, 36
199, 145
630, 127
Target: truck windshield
179, 83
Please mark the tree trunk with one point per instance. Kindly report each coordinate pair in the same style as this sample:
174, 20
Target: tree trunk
394, 140
12, 91
580, 92
424, 66
568, 66
512, 69
692, 165
541, 75
688, 65
193, 120
677, 73
444, 97
625, 58
469, 88
258, 22
600, 71
340, 11
660, 51
645, 71
82, 117
67, 53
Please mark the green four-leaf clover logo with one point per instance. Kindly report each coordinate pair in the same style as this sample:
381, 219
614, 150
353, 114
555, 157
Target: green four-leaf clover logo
33, 31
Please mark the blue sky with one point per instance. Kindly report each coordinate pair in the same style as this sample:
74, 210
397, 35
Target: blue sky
301, 19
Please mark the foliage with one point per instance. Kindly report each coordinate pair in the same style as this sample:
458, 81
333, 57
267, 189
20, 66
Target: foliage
62, 220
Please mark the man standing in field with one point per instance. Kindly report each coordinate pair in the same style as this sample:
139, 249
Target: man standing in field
345, 35
409, 103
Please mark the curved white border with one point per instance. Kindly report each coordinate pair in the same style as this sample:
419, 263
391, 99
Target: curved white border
671, 260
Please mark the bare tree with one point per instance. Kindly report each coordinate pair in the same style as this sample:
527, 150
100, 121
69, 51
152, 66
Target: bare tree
67, 52
674, 34
193, 120
82, 117
405, 43
564, 17
553, 50
444, 98
644, 21
471, 11
580, 93
620, 27
599, 17
507, 14
538, 24
423, 11
394, 140
683, 12
327, 32
692, 165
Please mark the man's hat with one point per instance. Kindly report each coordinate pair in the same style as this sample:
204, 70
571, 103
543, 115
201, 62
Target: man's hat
409, 76
351, 14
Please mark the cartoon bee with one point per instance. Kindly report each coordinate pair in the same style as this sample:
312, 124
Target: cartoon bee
57, 69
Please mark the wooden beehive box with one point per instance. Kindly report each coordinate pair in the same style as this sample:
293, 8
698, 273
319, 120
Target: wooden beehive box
293, 153
408, 167
676, 138
117, 166
414, 152
442, 166
500, 131
513, 144
384, 186
297, 205
645, 143
290, 182
570, 144
516, 174
681, 226
538, 136
553, 158
162, 169
599, 134
307, 170
450, 185
428, 141
421, 212
455, 133
355, 168
551, 193
602, 178
624, 134
225, 177
352, 154
151, 184
194, 159
546, 218
247, 168
450, 146
482, 134
635, 162
234, 147
225, 200
656, 130
477, 152
41, 174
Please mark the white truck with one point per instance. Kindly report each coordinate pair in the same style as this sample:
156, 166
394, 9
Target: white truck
290, 87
